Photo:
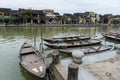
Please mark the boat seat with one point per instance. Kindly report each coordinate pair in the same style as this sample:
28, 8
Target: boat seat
76, 43
32, 62
98, 48
26, 46
88, 50
26, 51
35, 61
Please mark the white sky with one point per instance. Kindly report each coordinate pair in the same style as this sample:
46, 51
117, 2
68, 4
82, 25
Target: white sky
66, 6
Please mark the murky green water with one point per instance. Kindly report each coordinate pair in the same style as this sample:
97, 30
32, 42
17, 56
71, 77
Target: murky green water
11, 39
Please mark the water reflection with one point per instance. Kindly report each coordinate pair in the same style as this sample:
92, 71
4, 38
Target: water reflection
27, 75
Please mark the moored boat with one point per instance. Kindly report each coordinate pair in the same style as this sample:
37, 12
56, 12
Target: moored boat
73, 44
67, 39
32, 60
87, 50
113, 36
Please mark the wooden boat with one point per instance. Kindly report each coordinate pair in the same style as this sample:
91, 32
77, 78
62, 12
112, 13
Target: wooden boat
67, 39
73, 44
88, 50
113, 36
32, 60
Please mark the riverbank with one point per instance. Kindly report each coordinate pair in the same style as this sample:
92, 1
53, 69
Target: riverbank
90, 65
57, 25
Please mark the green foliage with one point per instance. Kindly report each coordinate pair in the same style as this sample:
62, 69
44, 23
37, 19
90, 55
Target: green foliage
115, 21
100, 21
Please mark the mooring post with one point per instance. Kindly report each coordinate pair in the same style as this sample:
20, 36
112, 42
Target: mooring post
73, 71
40, 47
77, 56
117, 46
55, 61
55, 57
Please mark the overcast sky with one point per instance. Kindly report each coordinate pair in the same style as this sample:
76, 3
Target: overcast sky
66, 6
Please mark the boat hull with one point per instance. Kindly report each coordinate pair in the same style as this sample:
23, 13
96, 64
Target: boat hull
32, 60
88, 50
66, 39
112, 37
71, 44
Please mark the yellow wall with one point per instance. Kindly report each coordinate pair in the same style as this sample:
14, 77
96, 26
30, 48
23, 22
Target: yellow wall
115, 18
1, 14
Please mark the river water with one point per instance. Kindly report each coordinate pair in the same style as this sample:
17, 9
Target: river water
11, 39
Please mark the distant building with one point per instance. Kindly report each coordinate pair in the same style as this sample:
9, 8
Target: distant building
38, 16
32, 16
80, 18
48, 16
91, 17
5, 11
68, 18
58, 18
87, 17
106, 19
5, 15
51, 16
115, 19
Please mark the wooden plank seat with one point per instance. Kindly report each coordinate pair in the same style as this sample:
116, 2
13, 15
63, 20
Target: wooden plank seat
27, 51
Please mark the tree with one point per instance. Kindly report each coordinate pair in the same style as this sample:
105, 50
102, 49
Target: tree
64, 19
115, 21
100, 21
24, 17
